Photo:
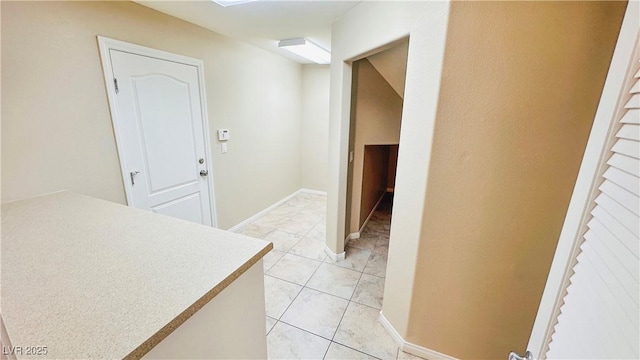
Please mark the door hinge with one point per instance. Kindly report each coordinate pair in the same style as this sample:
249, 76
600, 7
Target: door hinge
115, 83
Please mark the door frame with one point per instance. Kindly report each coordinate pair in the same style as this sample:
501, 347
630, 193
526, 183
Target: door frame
591, 169
105, 44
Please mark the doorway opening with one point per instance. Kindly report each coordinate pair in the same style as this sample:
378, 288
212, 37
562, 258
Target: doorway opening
377, 97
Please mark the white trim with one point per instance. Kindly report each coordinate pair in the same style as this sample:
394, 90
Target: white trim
395, 335
411, 348
375, 207
357, 234
424, 352
333, 256
310, 191
354, 235
579, 206
237, 227
104, 45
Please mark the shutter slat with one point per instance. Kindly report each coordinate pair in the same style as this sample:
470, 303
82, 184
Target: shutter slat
629, 283
630, 201
626, 320
622, 274
635, 88
625, 163
621, 252
627, 147
589, 322
632, 116
622, 215
623, 179
565, 344
599, 317
572, 341
621, 296
622, 284
629, 131
604, 309
633, 103
591, 329
618, 231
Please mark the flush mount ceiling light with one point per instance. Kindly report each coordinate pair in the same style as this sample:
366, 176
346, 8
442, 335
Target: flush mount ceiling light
225, 3
306, 49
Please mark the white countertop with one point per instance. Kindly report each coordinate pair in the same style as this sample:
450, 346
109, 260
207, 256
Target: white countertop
93, 279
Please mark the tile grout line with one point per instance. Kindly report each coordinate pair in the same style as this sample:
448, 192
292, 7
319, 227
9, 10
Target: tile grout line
307, 331
287, 252
307, 287
351, 299
345, 309
375, 240
324, 338
349, 303
327, 351
303, 286
362, 352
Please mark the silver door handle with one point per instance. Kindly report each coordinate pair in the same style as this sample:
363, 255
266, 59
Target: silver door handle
527, 356
204, 172
133, 176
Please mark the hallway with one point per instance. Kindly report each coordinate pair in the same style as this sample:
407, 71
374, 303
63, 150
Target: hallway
315, 308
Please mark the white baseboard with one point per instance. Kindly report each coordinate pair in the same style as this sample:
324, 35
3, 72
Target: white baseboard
375, 207
310, 191
263, 212
423, 352
333, 256
355, 235
411, 348
391, 330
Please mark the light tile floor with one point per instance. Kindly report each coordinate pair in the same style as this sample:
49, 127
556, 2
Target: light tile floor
318, 309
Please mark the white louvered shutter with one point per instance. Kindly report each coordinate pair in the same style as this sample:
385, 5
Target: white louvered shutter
600, 317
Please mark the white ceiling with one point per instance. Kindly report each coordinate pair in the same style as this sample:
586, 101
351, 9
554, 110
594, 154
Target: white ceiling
262, 23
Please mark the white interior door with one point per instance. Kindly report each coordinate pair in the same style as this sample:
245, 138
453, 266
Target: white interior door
160, 123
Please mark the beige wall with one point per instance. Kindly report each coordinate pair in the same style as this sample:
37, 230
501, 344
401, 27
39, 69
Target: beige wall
56, 127
550, 59
392, 65
520, 86
377, 117
358, 34
314, 136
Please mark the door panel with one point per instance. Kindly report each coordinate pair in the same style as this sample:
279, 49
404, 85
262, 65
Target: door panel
160, 123
185, 208
168, 141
